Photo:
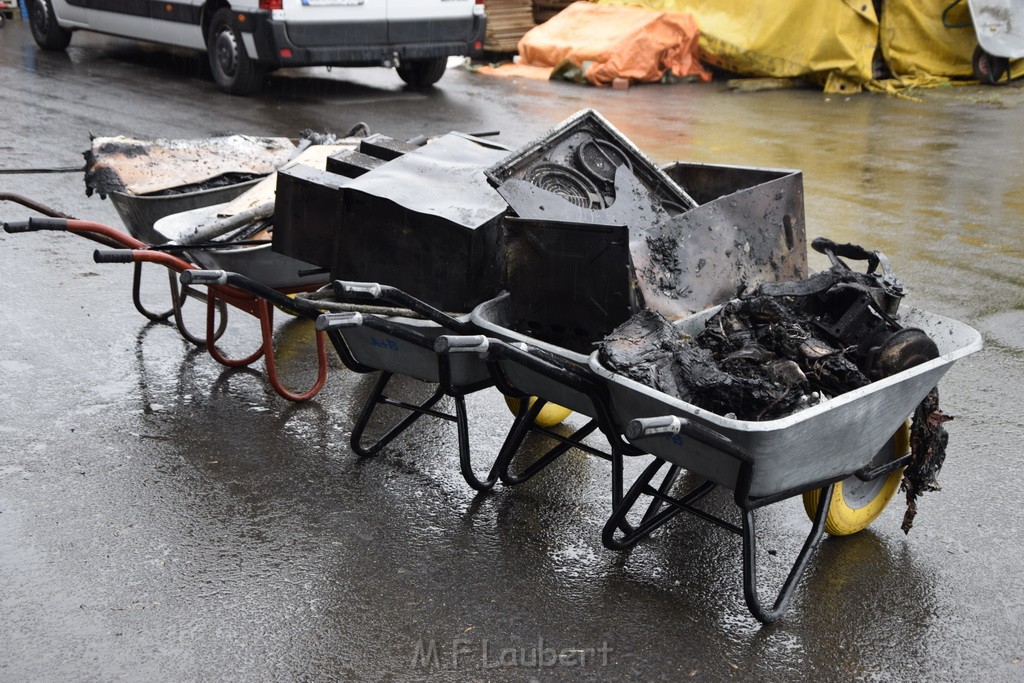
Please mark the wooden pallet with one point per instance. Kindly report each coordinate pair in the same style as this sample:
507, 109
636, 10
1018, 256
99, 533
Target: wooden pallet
507, 21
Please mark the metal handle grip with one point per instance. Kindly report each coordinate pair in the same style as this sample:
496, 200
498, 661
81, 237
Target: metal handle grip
203, 277
17, 226
652, 426
113, 256
337, 321
642, 427
349, 287
59, 224
36, 224
451, 343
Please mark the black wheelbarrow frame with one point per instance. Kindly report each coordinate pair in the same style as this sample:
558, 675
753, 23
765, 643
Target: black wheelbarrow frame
407, 336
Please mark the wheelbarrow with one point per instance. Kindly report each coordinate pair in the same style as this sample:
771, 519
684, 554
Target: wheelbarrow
129, 248
822, 452
377, 328
140, 215
258, 307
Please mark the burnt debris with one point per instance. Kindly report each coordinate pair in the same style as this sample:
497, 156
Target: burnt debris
782, 347
159, 167
928, 440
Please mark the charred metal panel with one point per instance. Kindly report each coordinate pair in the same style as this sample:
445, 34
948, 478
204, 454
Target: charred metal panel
748, 230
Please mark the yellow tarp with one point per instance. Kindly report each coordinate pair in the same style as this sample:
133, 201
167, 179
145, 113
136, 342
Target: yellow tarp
914, 41
782, 38
832, 41
616, 42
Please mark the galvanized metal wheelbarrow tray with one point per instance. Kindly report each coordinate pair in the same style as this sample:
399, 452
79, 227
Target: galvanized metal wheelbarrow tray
523, 367
765, 462
999, 25
822, 443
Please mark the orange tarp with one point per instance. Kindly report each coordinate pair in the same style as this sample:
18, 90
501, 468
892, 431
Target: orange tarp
609, 42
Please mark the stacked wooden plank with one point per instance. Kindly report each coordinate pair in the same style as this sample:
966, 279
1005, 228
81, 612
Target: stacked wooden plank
545, 9
507, 21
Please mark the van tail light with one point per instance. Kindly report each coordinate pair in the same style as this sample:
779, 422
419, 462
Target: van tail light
271, 4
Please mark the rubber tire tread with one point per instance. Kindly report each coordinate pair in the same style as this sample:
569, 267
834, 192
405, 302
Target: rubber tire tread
421, 73
250, 76
53, 38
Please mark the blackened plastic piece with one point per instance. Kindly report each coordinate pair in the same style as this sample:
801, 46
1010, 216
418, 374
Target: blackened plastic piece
352, 164
427, 223
570, 284
384, 147
307, 214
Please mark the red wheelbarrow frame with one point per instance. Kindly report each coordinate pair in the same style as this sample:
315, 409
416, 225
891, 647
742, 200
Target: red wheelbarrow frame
127, 249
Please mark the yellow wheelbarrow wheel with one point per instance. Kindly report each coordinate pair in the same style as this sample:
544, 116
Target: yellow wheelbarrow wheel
549, 416
855, 503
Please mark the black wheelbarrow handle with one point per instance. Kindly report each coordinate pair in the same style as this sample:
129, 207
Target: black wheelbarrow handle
297, 306
346, 288
329, 322
491, 349
36, 224
113, 256
643, 427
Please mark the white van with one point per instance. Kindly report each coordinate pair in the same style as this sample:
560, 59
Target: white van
247, 38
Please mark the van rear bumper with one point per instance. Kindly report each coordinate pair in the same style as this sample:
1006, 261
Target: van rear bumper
281, 44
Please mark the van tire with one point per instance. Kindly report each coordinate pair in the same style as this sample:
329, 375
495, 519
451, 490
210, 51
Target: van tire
45, 30
234, 71
420, 73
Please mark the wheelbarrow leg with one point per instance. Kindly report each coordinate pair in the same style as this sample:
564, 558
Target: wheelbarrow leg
750, 594
657, 514
266, 331
523, 425
264, 312
178, 298
137, 298
377, 398
465, 459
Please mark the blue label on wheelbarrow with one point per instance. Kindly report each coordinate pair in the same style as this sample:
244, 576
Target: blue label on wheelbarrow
389, 344
677, 439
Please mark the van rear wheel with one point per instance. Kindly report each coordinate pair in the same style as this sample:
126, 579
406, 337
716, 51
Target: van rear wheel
45, 30
419, 73
234, 71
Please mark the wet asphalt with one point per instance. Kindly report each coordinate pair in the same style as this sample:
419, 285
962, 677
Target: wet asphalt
162, 518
